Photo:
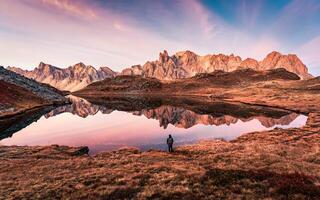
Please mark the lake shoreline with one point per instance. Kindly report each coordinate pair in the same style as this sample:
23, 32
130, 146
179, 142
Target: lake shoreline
304, 110
269, 164
27, 110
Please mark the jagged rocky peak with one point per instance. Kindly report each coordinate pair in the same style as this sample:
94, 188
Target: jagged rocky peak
186, 64
42, 65
163, 57
250, 63
16, 70
274, 54
133, 70
186, 57
83, 70
186, 53
73, 78
107, 71
80, 66
290, 62
271, 59
46, 67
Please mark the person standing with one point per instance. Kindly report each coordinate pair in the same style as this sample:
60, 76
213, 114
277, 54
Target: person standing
170, 143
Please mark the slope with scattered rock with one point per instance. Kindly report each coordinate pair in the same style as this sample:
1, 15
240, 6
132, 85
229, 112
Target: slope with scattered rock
19, 94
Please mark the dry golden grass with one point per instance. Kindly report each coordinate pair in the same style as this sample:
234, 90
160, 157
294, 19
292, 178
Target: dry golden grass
17, 98
277, 164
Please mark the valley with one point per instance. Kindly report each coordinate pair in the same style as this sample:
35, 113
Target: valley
159, 100
240, 132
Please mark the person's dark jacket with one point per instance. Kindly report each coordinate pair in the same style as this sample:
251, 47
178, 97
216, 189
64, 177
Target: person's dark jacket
170, 141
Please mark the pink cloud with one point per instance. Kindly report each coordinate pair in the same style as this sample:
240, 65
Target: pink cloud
201, 15
63, 32
76, 8
263, 46
310, 52
46, 32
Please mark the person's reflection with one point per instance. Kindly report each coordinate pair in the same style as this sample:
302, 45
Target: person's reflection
170, 143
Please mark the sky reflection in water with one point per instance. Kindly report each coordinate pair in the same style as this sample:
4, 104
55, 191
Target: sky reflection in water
116, 129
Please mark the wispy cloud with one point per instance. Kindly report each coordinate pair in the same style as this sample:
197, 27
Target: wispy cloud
297, 22
202, 16
310, 54
110, 39
248, 12
123, 33
77, 8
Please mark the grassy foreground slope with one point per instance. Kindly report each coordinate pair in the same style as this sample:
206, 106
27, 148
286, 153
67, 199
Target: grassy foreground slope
276, 164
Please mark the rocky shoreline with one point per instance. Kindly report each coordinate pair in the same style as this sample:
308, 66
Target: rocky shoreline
16, 113
20, 94
277, 164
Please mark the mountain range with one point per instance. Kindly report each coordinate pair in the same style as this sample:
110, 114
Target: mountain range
186, 64
183, 64
71, 79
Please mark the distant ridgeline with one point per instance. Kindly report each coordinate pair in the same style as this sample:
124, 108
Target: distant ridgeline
183, 64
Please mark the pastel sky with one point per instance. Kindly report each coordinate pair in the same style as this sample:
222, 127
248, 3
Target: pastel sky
121, 33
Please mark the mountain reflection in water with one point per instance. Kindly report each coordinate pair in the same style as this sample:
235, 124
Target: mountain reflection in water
103, 125
166, 114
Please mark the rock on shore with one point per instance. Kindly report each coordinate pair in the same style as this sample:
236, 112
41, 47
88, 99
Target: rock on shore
276, 164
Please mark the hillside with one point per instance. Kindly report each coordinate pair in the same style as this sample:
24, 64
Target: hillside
139, 84
124, 83
235, 78
13, 97
275, 88
19, 93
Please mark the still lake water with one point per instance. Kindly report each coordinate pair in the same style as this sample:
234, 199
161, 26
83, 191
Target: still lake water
102, 129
